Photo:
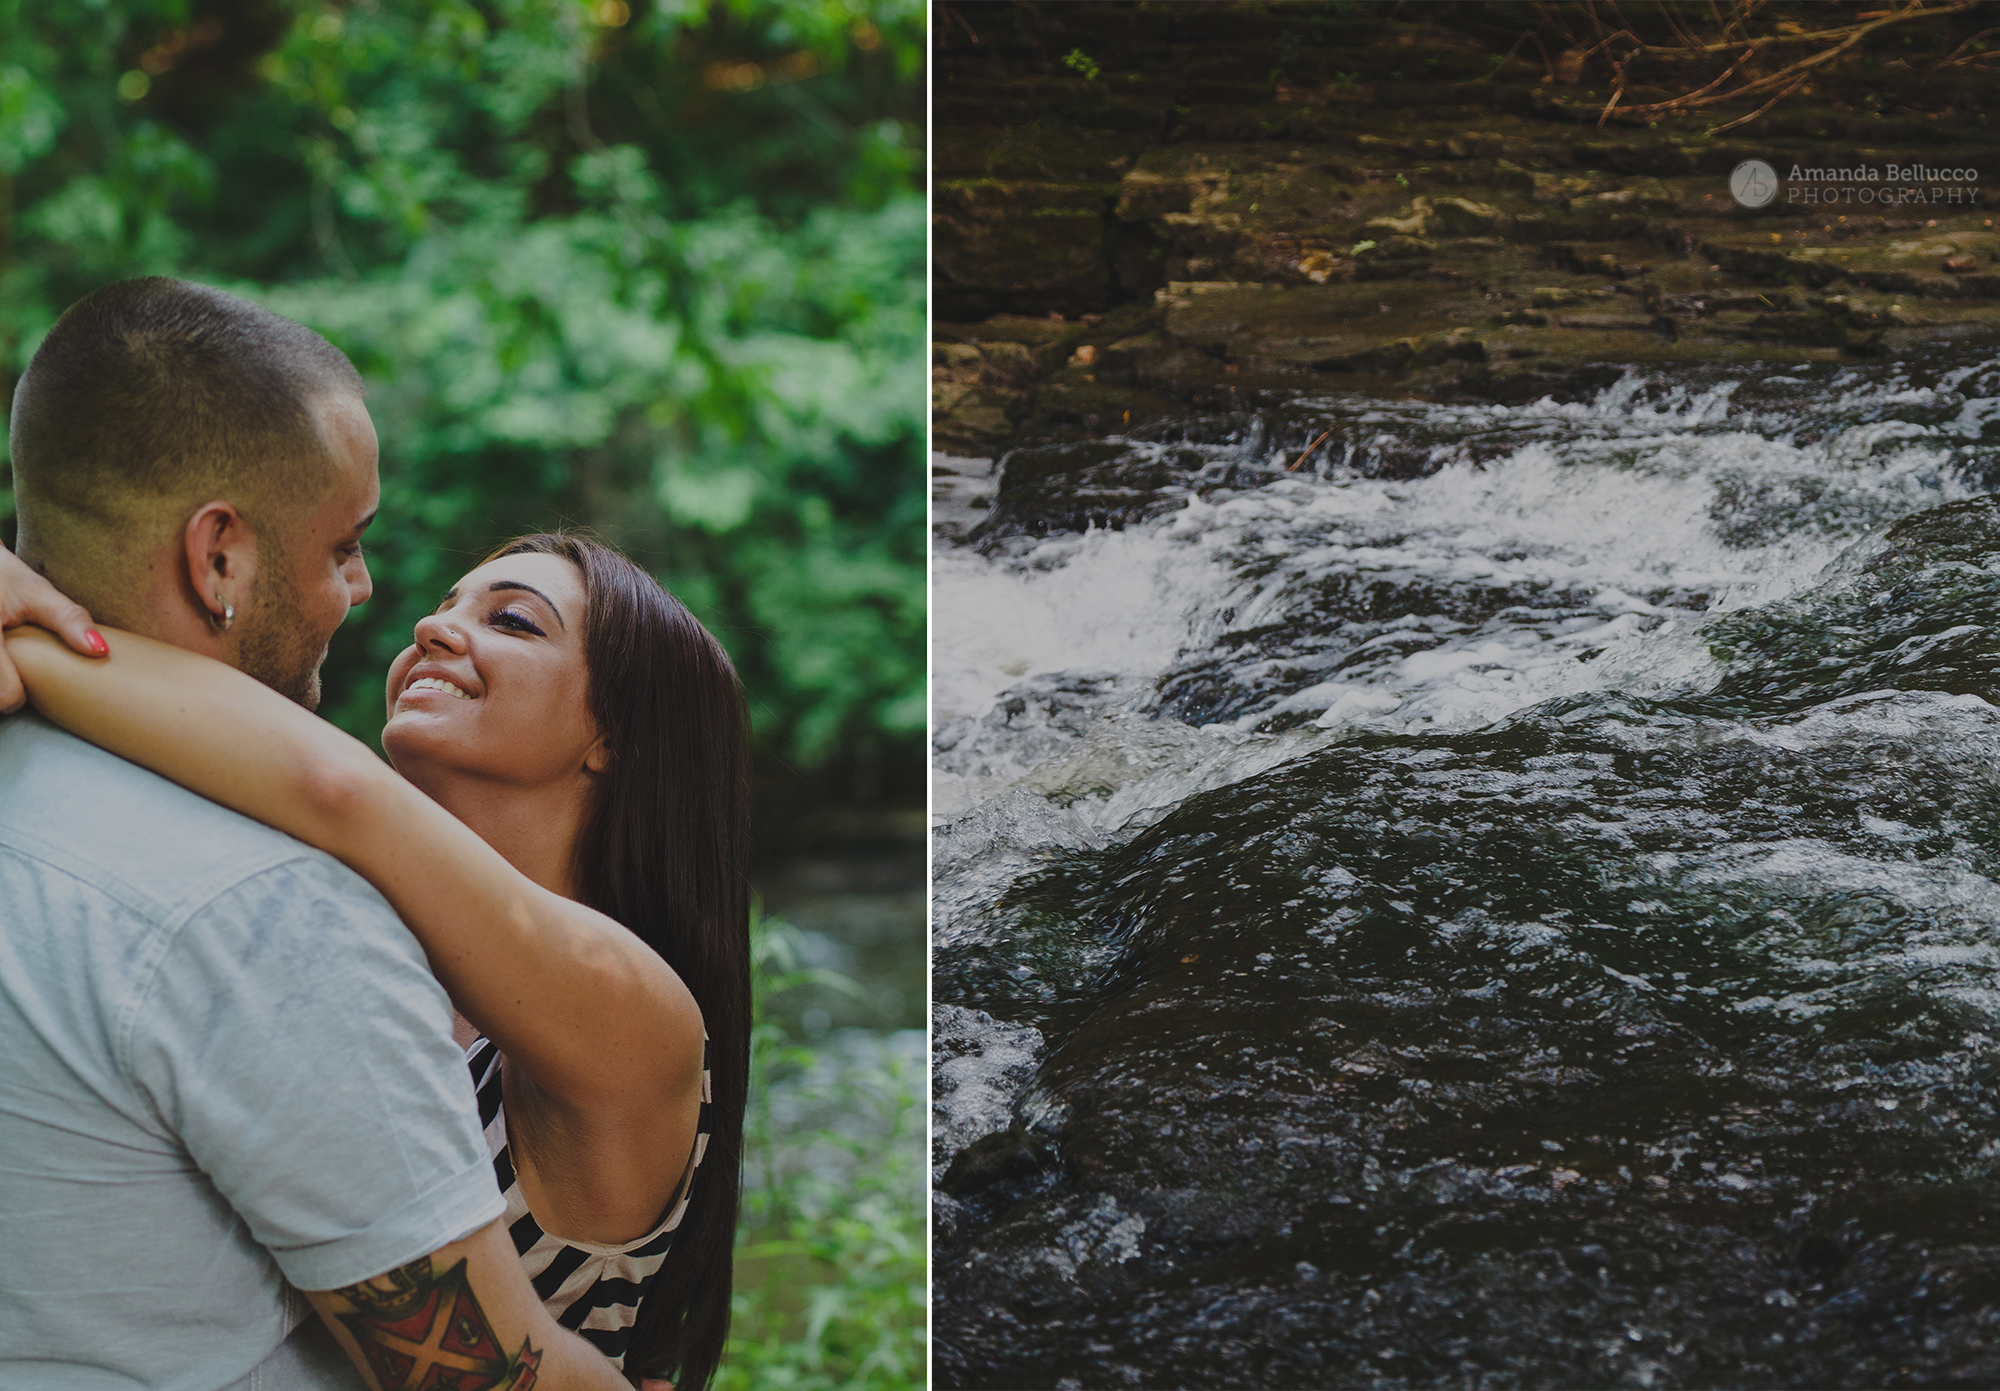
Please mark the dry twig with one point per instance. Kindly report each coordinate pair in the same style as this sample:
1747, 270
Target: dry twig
1309, 449
1792, 76
1744, 120
1960, 58
1622, 46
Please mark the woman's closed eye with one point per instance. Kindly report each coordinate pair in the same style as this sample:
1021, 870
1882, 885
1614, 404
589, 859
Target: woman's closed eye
515, 621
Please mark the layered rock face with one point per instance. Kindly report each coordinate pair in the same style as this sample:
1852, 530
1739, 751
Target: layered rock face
1144, 210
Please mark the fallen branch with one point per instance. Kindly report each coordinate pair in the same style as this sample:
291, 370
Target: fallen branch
1622, 46
1726, 72
1610, 106
1309, 449
1915, 10
1743, 120
1955, 60
1788, 78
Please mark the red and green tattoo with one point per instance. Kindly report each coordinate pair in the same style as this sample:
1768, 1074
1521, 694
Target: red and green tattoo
426, 1332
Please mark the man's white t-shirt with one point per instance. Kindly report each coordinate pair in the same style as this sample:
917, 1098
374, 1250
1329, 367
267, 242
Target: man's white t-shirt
224, 1065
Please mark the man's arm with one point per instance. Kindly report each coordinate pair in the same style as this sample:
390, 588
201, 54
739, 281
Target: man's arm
463, 1317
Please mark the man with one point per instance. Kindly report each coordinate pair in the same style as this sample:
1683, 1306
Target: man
229, 1074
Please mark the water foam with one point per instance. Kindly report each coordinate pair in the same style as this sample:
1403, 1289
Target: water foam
1618, 522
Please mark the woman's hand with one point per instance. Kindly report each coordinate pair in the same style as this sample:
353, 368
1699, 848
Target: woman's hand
25, 597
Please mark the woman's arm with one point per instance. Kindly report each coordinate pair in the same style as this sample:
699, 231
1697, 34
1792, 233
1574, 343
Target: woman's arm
607, 1035
25, 597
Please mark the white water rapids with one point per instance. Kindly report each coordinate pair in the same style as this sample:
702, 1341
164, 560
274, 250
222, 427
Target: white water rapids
1086, 683
1609, 501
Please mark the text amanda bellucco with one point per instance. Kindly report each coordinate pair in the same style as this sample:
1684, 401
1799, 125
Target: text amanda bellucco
1891, 184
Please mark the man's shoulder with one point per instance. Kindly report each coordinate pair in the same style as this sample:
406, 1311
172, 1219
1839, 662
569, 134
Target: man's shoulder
130, 833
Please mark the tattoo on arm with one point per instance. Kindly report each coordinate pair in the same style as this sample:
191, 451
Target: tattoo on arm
426, 1332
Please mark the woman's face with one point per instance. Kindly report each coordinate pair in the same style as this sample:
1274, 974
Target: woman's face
495, 685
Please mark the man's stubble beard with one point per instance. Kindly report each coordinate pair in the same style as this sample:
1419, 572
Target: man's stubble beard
275, 642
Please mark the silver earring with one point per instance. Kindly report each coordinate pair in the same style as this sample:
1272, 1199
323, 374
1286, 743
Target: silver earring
228, 616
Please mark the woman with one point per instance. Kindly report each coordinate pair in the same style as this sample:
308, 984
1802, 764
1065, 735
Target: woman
566, 832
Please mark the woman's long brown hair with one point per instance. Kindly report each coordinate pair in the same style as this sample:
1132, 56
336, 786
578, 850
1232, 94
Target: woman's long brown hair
665, 850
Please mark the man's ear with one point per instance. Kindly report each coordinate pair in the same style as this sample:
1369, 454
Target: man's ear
221, 557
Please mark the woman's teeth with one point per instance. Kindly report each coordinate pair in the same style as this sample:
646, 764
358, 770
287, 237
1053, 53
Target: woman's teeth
432, 683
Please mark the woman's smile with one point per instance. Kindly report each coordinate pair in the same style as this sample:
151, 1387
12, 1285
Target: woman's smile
434, 683
508, 637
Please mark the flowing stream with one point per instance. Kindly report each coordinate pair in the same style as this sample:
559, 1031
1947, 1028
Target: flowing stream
1515, 902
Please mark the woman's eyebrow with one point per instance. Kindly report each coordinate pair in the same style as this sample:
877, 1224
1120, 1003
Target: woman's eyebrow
499, 585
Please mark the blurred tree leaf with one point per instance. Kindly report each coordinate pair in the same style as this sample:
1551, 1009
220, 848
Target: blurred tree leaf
654, 267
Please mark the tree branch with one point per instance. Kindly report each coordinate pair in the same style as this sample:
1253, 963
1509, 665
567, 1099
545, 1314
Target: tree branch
1955, 60
1743, 120
1786, 79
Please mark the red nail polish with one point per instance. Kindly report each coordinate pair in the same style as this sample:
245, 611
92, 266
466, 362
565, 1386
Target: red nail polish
97, 642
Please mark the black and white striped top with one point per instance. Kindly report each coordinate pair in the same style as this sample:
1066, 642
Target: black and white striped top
594, 1290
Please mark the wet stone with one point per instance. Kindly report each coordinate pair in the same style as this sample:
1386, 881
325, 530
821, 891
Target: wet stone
1642, 1027
1073, 487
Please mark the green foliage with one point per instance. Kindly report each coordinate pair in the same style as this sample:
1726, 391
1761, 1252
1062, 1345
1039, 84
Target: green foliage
653, 268
1080, 62
831, 1276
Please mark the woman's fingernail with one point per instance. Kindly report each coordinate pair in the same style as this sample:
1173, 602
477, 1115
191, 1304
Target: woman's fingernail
97, 642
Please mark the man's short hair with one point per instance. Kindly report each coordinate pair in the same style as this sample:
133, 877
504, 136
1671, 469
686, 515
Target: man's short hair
158, 393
